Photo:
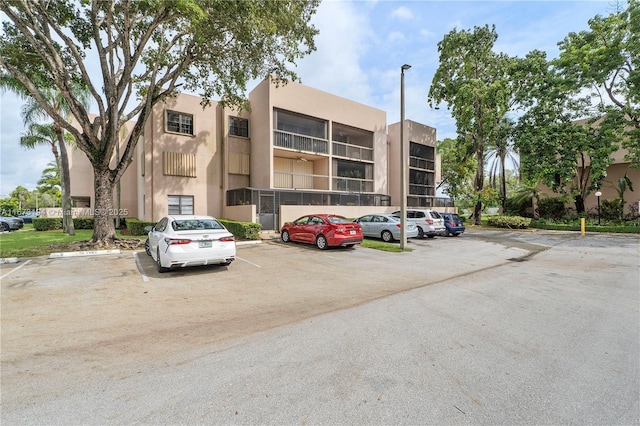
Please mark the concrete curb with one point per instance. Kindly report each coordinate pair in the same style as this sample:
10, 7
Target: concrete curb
82, 253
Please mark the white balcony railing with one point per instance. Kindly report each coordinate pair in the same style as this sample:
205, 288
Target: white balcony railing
300, 142
351, 151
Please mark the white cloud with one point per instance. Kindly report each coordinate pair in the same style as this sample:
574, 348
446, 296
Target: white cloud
402, 13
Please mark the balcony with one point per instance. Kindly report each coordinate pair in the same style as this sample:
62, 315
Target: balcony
299, 142
352, 184
421, 163
300, 181
353, 152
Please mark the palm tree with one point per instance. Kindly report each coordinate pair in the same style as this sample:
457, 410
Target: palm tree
50, 179
503, 149
32, 111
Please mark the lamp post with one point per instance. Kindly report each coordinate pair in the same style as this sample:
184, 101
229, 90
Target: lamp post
403, 166
598, 194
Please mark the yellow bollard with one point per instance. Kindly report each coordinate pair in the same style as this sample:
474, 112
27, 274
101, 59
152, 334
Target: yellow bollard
582, 220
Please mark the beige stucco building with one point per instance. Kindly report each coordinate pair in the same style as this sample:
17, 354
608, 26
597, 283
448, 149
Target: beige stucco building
299, 150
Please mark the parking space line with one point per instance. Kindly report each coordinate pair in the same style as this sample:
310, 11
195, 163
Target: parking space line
15, 269
250, 263
140, 268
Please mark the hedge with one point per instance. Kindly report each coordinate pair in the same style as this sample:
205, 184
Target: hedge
52, 223
512, 222
136, 227
243, 230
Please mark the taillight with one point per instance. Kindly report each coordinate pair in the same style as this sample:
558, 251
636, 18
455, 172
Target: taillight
452, 223
430, 221
172, 241
227, 239
340, 230
398, 225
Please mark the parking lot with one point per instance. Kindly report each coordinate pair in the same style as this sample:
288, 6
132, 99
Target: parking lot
80, 323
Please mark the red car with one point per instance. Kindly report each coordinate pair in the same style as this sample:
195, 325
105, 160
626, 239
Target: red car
323, 230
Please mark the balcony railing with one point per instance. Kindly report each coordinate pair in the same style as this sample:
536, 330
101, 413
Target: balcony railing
352, 184
351, 151
421, 163
421, 190
300, 142
300, 181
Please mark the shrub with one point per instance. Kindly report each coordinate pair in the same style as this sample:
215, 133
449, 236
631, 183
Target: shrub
611, 209
242, 230
47, 223
136, 227
512, 222
83, 222
551, 208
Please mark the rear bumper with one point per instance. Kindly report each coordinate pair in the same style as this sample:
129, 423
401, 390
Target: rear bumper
347, 241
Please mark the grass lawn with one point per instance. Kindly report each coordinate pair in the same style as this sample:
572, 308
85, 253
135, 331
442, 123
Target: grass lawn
29, 243
381, 245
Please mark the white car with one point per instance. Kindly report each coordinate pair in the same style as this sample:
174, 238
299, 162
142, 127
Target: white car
188, 240
428, 222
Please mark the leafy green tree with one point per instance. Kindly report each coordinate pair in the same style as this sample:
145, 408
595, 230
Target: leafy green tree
502, 150
480, 87
50, 178
603, 62
457, 167
146, 51
31, 112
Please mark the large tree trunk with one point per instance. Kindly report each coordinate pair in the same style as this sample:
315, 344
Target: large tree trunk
579, 203
65, 181
479, 185
104, 231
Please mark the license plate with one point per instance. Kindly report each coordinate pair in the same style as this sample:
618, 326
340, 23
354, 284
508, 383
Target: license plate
352, 232
204, 244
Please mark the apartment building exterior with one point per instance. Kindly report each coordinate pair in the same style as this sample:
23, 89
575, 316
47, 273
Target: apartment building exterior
298, 149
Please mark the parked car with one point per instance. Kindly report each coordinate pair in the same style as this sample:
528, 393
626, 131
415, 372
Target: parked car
453, 223
323, 230
428, 222
29, 215
9, 223
188, 240
385, 226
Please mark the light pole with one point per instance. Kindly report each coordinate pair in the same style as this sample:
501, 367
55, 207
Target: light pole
598, 194
403, 166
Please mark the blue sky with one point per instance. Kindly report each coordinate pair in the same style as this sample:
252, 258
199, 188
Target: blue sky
360, 49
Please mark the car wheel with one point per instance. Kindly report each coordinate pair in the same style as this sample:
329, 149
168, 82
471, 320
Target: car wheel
161, 268
420, 232
5, 227
387, 236
456, 234
147, 249
447, 233
285, 236
321, 242
430, 236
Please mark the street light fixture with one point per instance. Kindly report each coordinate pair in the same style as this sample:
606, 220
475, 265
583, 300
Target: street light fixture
598, 194
403, 166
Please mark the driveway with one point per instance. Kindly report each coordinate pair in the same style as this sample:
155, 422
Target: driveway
345, 323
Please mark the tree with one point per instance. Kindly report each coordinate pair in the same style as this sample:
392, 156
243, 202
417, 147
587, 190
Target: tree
502, 149
457, 166
479, 87
146, 50
603, 61
31, 112
50, 178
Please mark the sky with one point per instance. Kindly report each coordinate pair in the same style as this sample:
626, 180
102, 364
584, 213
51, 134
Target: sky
360, 49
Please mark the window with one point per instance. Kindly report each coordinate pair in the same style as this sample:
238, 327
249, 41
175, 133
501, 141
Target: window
179, 123
180, 204
238, 127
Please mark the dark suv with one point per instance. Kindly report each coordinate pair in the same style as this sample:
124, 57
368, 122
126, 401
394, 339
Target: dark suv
453, 223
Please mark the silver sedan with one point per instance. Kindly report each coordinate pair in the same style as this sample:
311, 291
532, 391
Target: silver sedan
384, 226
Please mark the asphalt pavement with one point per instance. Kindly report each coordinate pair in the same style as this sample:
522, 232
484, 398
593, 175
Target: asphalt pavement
520, 328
